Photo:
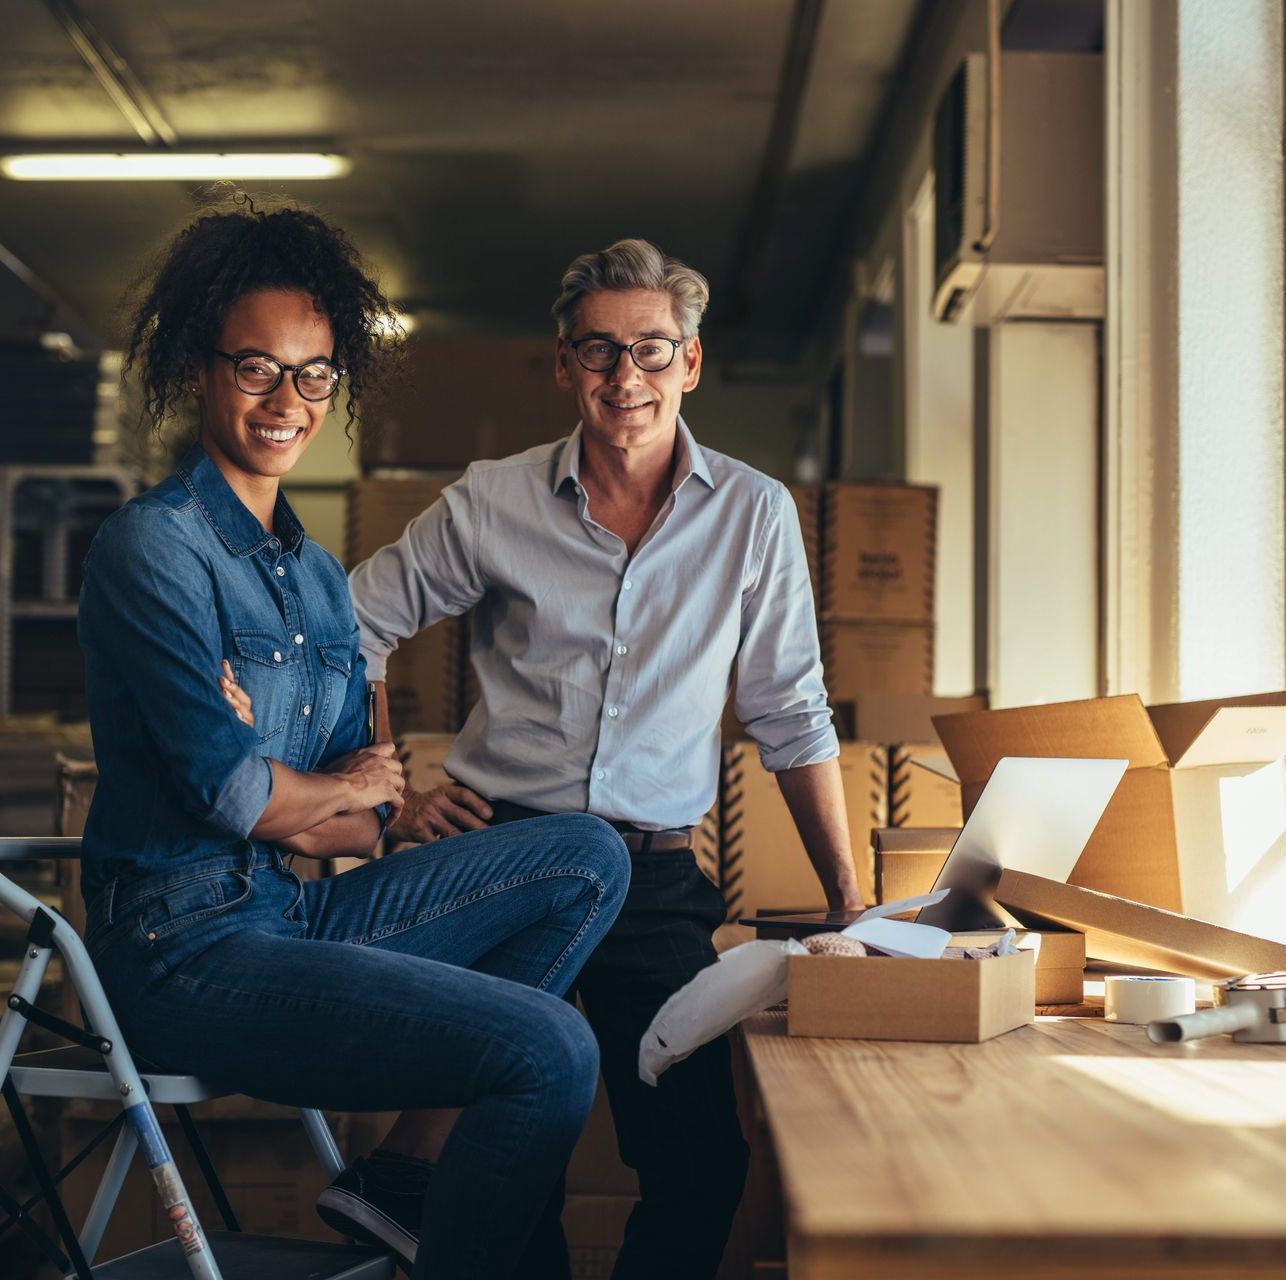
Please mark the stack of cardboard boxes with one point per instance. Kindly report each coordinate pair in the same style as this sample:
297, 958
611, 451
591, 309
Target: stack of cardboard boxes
872, 554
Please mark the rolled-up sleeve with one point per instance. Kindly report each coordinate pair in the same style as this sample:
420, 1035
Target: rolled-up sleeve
147, 608
428, 574
781, 698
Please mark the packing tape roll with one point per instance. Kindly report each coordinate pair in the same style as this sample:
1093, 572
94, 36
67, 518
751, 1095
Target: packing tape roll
1141, 1000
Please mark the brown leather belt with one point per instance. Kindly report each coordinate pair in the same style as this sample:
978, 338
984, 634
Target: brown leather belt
636, 839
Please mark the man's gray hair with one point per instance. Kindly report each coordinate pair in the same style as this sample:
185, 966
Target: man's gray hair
633, 264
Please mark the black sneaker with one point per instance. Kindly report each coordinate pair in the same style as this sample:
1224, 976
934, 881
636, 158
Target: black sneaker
379, 1201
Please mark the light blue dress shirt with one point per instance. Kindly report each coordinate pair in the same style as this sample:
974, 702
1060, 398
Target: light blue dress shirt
603, 676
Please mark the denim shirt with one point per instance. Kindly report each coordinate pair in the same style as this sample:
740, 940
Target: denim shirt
180, 578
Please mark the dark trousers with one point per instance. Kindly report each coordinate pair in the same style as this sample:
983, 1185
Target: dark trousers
682, 1137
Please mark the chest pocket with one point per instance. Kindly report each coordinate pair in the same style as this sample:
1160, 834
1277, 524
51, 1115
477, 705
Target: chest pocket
264, 667
336, 671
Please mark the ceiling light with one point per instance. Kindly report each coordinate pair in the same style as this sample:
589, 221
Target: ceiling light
172, 165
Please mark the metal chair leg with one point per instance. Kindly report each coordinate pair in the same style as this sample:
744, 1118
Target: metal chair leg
221, 1201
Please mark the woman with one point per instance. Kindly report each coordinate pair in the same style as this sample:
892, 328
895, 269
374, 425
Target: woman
429, 980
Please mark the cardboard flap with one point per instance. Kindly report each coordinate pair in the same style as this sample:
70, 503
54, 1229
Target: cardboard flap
905, 717
939, 766
1093, 728
914, 839
1132, 933
1247, 730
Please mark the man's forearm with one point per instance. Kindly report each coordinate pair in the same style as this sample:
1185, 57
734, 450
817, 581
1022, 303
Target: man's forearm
383, 733
815, 796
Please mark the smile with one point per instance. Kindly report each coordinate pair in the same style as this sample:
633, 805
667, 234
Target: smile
628, 404
277, 435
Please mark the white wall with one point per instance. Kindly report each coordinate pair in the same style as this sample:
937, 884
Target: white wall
938, 365
1043, 463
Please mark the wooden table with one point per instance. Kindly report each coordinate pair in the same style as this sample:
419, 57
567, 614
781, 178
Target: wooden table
1066, 1149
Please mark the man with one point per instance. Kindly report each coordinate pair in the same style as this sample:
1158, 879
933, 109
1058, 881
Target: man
620, 577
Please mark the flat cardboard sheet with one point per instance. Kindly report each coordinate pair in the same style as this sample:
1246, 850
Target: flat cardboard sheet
1133, 933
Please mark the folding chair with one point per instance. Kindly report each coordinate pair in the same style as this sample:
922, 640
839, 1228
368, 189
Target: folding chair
97, 1064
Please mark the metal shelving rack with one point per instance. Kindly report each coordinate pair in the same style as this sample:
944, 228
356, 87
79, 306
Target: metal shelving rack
72, 494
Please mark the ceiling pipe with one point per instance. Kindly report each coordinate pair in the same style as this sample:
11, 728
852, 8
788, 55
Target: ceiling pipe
755, 238
115, 75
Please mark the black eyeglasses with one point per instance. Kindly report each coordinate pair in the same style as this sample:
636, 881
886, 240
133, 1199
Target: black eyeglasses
259, 375
598, 355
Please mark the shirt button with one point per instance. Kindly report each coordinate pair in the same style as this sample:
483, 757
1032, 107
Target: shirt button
627, 584
307, 709
622, 649
613, 712
281, 571
600, 774
299, 639
276, 657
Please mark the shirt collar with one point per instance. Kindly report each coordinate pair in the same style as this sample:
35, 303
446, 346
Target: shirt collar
241, 533
693, 464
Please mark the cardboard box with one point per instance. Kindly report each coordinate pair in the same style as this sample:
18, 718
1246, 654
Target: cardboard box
428, 688
595, 1226
1228, 789
879, 552
1134, 933
1060, 959
886, 998
764, 866
808, 502
907, 860
432, 415
1204, 778
861, 657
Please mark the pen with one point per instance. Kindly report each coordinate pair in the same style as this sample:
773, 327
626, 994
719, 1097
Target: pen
370, 713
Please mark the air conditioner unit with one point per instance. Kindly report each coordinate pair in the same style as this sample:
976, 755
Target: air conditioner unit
1046, 259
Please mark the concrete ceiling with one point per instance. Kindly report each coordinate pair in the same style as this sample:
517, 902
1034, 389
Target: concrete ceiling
491, 141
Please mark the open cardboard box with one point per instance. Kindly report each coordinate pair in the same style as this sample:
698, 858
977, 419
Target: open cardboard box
883, 998
1198, 823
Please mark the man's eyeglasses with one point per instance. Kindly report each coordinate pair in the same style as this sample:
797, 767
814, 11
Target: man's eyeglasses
598, 355
258, 375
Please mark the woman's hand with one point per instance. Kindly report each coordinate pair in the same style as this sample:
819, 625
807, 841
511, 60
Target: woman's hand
375, 775
236, 695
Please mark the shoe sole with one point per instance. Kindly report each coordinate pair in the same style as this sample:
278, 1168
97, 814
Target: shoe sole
352, 1216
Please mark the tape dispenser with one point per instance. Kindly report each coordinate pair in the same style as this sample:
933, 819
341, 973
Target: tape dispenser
1251, 1009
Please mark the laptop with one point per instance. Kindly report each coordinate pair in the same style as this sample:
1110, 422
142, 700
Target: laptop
1034, 815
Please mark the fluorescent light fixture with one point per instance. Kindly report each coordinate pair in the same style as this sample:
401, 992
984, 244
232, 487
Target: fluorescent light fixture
180, 166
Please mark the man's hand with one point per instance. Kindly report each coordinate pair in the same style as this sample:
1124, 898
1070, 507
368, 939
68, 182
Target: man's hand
236, 695
444, 811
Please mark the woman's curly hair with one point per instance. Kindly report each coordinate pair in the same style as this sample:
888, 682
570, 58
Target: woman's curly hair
236, 248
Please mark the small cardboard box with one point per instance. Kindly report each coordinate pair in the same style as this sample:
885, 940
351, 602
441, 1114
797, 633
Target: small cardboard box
1198, 823
907, 859
879, 552
887, 998
1060, 959
764, 865
862, 657
1135, 934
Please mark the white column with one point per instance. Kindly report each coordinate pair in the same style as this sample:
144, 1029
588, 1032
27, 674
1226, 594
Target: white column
1232, 609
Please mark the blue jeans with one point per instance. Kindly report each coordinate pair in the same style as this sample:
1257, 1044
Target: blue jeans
431, 978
